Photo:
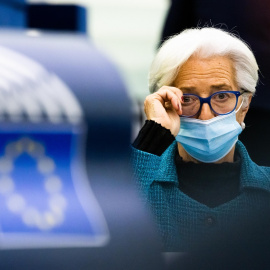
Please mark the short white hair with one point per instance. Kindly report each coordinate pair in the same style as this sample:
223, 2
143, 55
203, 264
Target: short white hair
203, 43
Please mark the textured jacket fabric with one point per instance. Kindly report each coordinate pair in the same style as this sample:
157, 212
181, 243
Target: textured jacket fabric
183, 222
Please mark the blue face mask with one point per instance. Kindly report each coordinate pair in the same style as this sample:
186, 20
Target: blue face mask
209, 140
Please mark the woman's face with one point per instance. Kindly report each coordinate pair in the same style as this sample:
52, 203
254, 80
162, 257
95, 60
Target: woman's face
204, 77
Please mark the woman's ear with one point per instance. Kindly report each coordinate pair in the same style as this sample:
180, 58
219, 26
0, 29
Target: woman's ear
240, 117
246, 103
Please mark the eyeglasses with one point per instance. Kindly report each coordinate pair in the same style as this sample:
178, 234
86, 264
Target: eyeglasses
222, 102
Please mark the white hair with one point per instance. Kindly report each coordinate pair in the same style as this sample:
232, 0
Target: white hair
203, 43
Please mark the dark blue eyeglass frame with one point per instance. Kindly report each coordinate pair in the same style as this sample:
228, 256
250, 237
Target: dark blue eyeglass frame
208, 99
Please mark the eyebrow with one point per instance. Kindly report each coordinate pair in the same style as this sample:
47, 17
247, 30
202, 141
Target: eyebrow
221, 86
192, 89
188, 89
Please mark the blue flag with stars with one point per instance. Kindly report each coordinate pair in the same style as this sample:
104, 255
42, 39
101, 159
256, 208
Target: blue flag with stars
45, 197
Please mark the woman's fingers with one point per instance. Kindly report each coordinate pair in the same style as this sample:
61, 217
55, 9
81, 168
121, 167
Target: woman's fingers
172, 95
164, 107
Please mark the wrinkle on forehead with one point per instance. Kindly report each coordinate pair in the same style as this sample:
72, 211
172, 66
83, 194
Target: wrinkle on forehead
210, 73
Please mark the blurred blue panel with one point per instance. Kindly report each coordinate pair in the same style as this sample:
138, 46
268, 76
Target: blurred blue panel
13, 13
83, 15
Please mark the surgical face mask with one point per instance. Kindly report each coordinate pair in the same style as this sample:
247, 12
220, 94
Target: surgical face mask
209, 140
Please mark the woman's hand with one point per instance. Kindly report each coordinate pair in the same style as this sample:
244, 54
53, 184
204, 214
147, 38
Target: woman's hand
164, 107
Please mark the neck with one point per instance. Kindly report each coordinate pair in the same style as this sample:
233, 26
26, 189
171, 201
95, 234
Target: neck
187, 158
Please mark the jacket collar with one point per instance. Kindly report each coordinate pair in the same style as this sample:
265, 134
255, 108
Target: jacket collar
252, 175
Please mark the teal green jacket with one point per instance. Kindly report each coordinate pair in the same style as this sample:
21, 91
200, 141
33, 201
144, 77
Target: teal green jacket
183, 222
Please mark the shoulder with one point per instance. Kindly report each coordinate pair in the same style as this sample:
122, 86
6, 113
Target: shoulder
247, 161
252, 174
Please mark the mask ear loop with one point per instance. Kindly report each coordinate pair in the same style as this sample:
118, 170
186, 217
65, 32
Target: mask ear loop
243, 125
236, 111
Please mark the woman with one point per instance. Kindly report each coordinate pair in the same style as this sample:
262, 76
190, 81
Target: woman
196, 176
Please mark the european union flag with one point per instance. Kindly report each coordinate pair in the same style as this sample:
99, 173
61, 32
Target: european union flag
45, 196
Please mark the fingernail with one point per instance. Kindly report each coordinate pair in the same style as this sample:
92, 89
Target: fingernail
179, 108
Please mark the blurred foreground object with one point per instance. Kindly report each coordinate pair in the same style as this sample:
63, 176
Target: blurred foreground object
62, 17
57, 17
66, 195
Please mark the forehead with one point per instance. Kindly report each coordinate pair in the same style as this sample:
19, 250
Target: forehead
214, 72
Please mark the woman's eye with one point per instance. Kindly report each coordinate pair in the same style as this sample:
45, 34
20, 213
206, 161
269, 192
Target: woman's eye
221, 96
188, 99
